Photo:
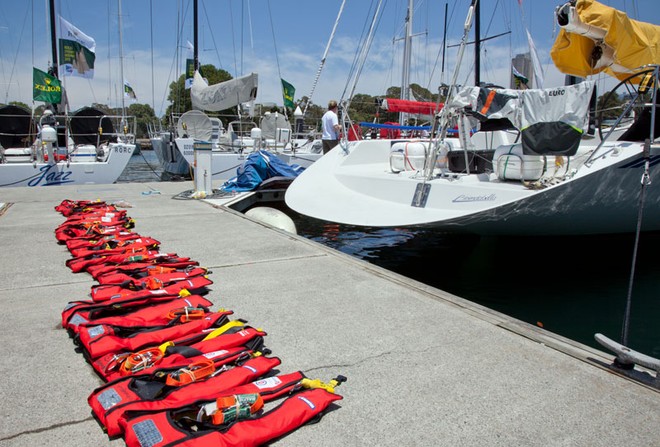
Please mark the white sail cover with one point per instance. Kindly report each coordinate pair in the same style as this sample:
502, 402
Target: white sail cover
551, 120
224, 95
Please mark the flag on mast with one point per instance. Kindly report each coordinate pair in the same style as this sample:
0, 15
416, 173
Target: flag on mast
45, 87
288, 91
128, 91
519, 77
77, 51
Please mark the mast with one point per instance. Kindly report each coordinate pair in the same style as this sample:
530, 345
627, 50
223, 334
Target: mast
195, 45
53, 38
477, 42
407, 57
444, 47
121, 61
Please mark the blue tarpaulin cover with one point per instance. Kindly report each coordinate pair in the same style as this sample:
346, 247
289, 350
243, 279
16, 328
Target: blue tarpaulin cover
260, 166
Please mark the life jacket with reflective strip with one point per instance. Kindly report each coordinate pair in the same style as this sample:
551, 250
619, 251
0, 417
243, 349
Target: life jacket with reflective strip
155, 319
77, 243
162, 260
106, 340
138, 279
196, 284
184, 351
76, 312
152, 315
149, 393
161, 429
115, 246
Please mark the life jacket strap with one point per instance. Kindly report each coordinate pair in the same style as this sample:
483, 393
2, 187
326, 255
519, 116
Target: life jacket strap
235, 408
140, 360
186, 314
191, 373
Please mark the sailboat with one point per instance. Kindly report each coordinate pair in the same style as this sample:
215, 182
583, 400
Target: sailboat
531, 168
85, 147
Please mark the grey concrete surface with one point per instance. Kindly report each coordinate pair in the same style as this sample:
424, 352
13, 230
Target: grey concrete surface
424, 368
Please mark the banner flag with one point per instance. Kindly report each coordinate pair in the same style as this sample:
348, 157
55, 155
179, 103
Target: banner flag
190, 72
77, 51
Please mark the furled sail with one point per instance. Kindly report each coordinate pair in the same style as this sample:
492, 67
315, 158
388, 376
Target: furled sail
407, 106
223, 95
595, 38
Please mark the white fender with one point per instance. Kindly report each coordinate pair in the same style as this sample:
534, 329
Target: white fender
272, 216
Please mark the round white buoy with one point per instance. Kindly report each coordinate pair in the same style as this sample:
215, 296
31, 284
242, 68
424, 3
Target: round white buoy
273, 217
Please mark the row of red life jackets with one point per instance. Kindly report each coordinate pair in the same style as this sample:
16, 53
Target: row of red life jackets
176, 371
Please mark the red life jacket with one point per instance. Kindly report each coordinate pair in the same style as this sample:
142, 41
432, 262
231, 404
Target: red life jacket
161, 259
90, 231
73, 228
115, 246
76, 243
196, 284
134, 255
142, 269
69, 207
104, 340
106, 214
112, 402
160, 429
155, 314
137, 280
184, 351
77, 312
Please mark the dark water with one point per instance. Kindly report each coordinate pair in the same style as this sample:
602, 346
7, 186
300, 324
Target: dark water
573, 286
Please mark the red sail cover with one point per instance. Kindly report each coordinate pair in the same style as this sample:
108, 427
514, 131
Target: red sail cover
414, 107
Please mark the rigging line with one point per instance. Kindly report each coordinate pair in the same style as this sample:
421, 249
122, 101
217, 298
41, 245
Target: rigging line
18, 50
233, 36
492, 17
250, 22
108, 99
208, 22
360, 45
151, 32
242, 34
277, 58
365, 50
325, 55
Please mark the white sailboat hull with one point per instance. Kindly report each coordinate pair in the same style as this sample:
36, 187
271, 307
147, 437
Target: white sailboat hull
360, 189
53, 174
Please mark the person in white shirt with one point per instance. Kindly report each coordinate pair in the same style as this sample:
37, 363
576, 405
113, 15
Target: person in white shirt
331, 127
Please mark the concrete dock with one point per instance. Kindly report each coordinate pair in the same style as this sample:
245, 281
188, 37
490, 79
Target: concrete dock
424, 368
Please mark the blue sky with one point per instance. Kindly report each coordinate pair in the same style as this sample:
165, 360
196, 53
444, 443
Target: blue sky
274, 38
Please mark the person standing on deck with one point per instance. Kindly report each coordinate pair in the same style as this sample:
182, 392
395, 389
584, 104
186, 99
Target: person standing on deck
331, 127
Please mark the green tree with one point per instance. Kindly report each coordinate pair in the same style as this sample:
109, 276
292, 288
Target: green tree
144, 116
179, 97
